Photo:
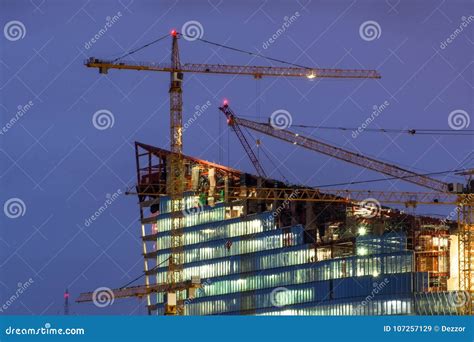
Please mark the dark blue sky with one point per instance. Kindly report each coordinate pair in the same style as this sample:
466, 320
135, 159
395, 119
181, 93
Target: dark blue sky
62, 167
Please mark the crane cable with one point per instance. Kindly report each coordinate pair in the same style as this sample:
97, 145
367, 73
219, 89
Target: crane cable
382, 130
412, 131
249, 53
391, 178
266, 154
140, 48
142, 275
218, 45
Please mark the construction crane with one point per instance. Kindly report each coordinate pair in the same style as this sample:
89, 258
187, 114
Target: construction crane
175, 184
141, 291
248, 149
406, 198
335, 152
464, 202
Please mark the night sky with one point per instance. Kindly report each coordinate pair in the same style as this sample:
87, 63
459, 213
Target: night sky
59, 165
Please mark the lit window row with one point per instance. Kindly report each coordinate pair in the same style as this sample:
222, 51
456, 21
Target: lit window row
246, 263
330, 269
375, 307
334, 269
402, 306
251, 302
439, 303
188, 202
193, 218
240, 245
387, 243
219, 230
281, 298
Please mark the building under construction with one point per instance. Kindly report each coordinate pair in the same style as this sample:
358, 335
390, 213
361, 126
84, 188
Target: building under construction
311, 254
217, 240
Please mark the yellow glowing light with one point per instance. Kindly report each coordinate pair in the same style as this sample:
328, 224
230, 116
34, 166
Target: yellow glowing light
311, 76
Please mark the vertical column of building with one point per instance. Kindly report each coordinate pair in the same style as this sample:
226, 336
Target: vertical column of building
147, 277
149, 235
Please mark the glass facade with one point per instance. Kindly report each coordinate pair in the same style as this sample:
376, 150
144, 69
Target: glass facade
248, 266
202, 215
239, 245
218, 230
189, 201
388, 306
387, 243
439, 303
